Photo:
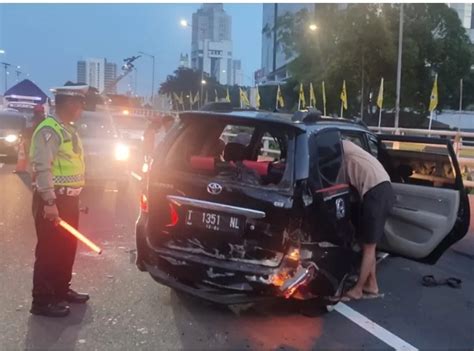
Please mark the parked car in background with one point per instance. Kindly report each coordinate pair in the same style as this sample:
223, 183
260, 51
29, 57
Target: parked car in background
12, 124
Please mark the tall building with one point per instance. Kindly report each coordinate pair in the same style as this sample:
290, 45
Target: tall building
466, 15
211, 45
274, 60
237, 72
110, 74
184, 60
96, 72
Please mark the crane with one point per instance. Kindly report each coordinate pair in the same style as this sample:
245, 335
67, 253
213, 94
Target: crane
127, 67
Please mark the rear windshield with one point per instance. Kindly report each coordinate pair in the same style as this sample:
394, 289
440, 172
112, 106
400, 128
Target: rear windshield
245, 152
12, 121
96, 125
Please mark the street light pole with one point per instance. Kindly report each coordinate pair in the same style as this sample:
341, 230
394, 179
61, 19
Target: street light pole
153, 75
6, 65
399, 69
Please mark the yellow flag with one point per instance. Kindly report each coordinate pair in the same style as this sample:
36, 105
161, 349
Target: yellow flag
312, 96
380, 97
344, 95
216, 96
227, 97
301, 99
258, 99
279, 99
434, 95
324, 97
243, 98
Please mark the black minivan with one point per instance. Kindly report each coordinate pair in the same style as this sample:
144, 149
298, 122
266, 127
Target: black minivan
248, 205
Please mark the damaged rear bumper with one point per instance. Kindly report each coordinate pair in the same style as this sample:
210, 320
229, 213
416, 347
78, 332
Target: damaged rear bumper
224, 282
208, 293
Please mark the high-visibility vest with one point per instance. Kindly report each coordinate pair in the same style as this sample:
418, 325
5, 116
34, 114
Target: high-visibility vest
68, 165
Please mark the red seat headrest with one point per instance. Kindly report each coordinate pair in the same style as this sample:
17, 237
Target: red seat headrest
203, 163
260, 167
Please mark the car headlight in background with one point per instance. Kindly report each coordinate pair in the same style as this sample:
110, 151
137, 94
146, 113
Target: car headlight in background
122, 152
11, 138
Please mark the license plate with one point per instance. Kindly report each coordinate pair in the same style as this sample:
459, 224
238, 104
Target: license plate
214, 221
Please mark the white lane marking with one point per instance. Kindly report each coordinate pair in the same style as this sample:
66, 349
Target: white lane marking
373, 328
136, 176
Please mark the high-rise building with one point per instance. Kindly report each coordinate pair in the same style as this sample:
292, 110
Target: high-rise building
184, 60
237, 72
96, 72
466, 15
110, 74
274, 60
211, 45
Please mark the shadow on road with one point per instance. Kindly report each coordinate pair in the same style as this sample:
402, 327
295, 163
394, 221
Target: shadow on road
277, 325
57, 333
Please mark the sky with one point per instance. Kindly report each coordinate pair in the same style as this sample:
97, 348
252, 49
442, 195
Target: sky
47, 40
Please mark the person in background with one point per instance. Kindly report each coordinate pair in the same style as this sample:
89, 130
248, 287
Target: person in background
367, 175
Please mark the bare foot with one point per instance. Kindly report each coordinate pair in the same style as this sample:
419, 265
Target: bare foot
353, 294
371, 286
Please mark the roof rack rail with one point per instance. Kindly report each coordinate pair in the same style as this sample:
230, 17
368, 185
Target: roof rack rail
223, 106
312, 115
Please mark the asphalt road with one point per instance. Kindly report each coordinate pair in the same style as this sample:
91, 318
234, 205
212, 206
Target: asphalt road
128, 310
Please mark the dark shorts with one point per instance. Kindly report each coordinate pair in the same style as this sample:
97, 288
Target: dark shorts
376, 206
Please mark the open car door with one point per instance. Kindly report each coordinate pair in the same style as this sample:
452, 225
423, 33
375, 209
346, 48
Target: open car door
431, 210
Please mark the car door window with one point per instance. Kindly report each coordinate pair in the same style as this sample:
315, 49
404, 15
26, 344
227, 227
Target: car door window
420, 163
373, 146
356, 138
326, 159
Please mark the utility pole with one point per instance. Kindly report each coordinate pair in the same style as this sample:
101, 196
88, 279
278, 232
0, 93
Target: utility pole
6, 65
153, 75
362, 97
275, 29
399, 68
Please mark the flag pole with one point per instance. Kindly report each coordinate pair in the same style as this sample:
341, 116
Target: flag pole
380, 118
431, 120
342, 109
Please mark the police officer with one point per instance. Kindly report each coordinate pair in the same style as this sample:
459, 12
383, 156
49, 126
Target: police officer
57, 159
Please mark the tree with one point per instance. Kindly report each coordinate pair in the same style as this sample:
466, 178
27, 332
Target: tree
360, 44
185, 81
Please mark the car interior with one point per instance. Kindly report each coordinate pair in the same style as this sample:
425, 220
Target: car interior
427, 199
230, 149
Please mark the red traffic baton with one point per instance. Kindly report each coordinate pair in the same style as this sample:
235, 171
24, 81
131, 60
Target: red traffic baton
80, 236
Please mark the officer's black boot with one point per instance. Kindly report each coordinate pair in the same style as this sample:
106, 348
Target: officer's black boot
49, 310
75, 297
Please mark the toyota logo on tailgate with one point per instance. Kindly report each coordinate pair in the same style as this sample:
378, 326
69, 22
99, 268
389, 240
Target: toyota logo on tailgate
214, 188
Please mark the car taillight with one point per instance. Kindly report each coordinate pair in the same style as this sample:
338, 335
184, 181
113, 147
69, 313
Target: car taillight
144, 203
174, 218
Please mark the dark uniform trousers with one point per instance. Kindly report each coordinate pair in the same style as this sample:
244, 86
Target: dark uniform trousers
55, 250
